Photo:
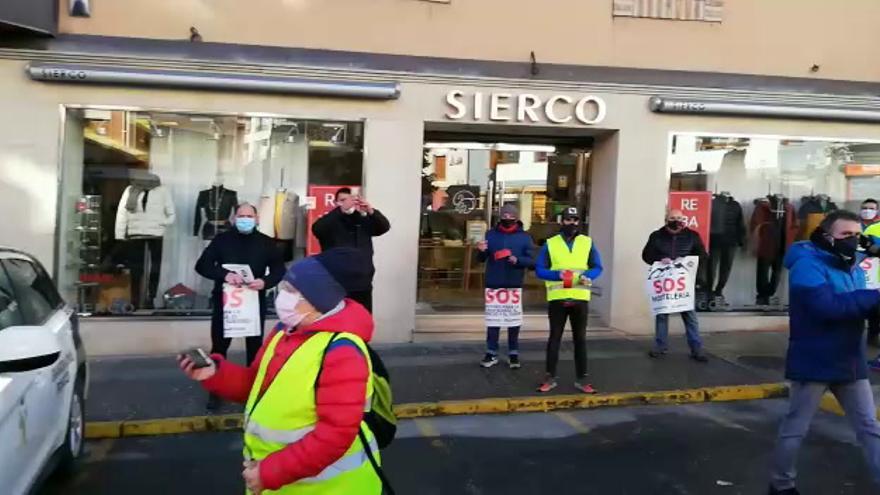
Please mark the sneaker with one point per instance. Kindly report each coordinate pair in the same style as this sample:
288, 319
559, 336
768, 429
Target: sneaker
584, 387
514, 363
874, 364
699, 356
489, 361
214, 402
548, 385
657, 353
787, 491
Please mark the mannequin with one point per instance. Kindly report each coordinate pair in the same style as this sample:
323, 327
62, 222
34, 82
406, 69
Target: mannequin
144, 212
218, 205
774, 226
813, 210
727, 232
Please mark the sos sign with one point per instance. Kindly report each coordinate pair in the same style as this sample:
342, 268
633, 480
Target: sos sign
503, 296
667, 285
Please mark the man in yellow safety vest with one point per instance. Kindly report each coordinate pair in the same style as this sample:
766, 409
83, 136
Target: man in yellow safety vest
568, 263
307, 391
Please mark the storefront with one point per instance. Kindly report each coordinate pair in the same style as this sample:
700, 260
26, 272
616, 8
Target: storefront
438, 158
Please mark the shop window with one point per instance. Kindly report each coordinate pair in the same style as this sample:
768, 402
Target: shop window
464, 186
683, 10
10, 309
144, 192
762, 194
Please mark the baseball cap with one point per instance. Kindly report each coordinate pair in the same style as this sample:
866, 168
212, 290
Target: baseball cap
570, 212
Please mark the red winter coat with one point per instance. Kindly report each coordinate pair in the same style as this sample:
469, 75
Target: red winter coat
339, 399
766, 229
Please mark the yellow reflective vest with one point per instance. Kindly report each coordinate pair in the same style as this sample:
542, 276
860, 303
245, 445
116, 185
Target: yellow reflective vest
575, 260
286, 413
873, 230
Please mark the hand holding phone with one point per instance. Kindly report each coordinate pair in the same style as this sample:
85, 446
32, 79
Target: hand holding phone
197, 364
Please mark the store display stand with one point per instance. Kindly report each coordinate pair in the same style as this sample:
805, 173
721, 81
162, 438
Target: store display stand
88, 255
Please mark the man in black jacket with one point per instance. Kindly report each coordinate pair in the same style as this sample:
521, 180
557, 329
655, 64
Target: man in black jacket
242, 245
353, 223
672, 241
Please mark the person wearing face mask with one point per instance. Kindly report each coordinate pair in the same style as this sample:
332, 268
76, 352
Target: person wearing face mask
871, 230
667, 244
243, 245
568, 263
828, 307
304, 395
508, 253
353, 223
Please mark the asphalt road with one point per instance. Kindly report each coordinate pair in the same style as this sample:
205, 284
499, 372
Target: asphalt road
693, 449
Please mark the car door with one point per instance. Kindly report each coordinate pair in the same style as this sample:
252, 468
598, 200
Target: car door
47, 399
13, 389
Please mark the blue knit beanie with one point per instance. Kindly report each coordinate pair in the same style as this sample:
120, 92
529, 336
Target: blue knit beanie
322, 278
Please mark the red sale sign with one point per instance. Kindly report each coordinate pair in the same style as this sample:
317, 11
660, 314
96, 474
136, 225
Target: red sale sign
324, 198
697, 207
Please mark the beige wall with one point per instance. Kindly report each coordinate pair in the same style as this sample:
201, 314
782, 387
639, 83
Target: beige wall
630, 178
780, 37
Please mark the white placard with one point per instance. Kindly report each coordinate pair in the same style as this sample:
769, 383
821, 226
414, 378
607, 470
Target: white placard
241, 312
671, 288
504, 308
871, 266
243, 270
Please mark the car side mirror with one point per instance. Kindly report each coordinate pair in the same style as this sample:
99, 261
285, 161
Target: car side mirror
27, 348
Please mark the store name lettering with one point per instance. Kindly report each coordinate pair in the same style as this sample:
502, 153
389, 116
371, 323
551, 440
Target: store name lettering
504, 107
686, 106
64, 74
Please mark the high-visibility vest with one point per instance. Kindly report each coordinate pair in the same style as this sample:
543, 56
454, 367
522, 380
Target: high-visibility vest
286, 413
575, 260
873, 230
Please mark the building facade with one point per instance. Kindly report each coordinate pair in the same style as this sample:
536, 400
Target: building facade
438, 113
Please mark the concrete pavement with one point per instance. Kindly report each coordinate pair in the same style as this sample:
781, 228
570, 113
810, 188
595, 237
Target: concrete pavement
692, 449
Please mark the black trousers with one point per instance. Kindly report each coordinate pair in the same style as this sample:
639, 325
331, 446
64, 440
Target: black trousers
720, 265
874, 326
559, 312
220, 344
767, 276
136, 253
364, 297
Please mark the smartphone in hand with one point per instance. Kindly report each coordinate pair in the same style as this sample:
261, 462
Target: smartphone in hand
200, 358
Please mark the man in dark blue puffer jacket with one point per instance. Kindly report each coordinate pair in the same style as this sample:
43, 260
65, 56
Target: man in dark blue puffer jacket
828, 308
508, 252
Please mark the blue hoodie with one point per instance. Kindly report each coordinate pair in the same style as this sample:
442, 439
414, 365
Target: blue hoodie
827, 311
502, 274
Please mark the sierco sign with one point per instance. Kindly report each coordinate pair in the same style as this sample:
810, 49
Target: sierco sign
49, 74
505, 107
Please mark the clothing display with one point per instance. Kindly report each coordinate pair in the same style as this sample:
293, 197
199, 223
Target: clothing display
144, 259
774, 228
215, 206
279, 215
812, 211
145, 210
727, 232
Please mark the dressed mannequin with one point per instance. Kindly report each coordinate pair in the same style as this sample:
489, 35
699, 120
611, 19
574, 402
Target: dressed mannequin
774, 227
727, 233
142, 217
217, 204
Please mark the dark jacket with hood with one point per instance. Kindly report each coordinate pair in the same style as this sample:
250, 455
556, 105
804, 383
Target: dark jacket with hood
827, 312
500, 273
336, 229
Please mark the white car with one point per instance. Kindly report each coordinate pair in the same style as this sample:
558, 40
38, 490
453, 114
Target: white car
43, 376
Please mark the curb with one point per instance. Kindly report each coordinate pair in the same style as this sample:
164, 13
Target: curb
231, 422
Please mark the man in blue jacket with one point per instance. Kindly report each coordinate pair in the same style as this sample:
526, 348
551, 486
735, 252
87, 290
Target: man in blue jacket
828, 308
568, 263
507, 252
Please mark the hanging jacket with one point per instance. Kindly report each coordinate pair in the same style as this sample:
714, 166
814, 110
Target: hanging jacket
728, 227
773, 227
500, 273
829, 305
149, 216
339, 398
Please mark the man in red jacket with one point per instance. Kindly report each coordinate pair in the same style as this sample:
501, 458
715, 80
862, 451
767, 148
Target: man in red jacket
311, 301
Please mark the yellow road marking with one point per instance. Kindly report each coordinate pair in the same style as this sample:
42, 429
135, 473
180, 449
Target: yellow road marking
543, 403
571, 420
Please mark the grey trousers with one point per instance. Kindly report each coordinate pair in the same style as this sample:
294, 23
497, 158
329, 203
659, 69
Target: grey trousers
857, 401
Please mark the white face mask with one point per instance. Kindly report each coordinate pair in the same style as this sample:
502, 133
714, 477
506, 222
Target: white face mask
285, 308
869, 214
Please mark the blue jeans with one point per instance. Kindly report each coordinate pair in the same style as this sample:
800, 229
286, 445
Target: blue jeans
691, 326
492, 336
857, 401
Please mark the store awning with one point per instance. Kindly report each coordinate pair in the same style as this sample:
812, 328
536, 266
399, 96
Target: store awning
28, 17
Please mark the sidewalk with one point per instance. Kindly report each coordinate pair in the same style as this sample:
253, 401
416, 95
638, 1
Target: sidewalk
141, 388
